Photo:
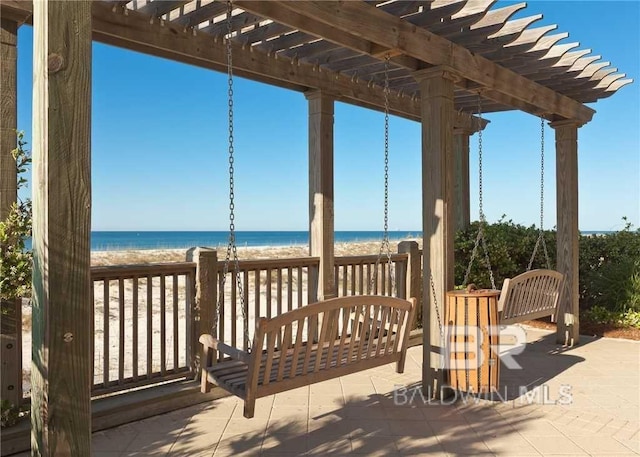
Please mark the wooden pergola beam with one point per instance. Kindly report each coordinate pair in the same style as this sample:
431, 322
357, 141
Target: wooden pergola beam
357, 19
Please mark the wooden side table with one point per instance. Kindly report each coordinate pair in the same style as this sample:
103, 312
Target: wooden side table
472, 340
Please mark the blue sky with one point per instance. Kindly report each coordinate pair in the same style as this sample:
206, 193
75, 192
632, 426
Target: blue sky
159, 144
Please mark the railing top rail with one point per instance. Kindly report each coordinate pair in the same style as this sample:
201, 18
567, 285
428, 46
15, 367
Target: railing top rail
369, 259
141, 270
264, 264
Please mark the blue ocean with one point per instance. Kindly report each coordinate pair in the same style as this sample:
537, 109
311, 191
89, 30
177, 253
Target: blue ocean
109, 241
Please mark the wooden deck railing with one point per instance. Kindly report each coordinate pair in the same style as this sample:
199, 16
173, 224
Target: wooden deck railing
141, 324
366, 274
270, 287
147, 318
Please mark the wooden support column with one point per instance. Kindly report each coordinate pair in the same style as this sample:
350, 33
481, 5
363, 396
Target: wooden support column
436, 89
461, 182
568, 232
201, 313
321, 228
8, 116
62, 306
11, 328
413, 275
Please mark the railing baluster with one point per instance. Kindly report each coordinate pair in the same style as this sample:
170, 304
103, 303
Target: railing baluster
223, 314
289, 289
299, 286
93, 332
361, 278
268, 290
134, 348
245, 290
176, 330
105, 333
163, 326
149, 326
234, 308
256, 279
121, 336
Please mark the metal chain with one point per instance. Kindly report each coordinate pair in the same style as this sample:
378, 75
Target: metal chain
480, 239
232, 251
385, 237
541, 240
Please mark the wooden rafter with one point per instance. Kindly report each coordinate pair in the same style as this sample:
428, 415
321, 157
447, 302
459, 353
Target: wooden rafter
343, 44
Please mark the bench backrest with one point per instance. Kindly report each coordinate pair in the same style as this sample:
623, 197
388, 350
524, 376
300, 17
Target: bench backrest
329, 339
531, 295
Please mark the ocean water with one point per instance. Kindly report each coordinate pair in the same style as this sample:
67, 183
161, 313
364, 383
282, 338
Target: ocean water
122, 240
107, 241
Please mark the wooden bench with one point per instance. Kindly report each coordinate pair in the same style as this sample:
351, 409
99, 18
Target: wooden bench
311, 344
531, 295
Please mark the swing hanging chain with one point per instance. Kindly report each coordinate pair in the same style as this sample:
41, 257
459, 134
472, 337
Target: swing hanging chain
541, 240
385, 246
232, 251
480, 239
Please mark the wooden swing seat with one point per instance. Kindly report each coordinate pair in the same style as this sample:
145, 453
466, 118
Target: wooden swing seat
320, 341
530, 295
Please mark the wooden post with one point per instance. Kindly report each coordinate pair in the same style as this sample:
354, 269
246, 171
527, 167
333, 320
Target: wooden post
11, 331
206, 297
321, 231
413, 276
436, 89
568, 233
461, 182
62, 309
8, 117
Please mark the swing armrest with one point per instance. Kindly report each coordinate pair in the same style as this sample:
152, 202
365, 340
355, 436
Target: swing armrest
209, 342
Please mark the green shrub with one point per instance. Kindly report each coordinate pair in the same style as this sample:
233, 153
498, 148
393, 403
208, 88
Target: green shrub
602, 315
510, 246
609, 263
15, 260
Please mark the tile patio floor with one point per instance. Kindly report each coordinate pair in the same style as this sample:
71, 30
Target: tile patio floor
356, 414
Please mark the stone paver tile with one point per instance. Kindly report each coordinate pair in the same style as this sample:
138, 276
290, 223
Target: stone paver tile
326, 399
452, 428
367, 427
289, 399
420, 446
632, 444
336, 447
413, 414
287, 426
93, 454
150, 444
366, 412
290, 413
552, 445
285, 443
598, 445
195, 449
113, 440
410, 429
374, 446
441, 413
356, 393
629, 431
250, 427
465, 444
510, 445
238, 445
538, 428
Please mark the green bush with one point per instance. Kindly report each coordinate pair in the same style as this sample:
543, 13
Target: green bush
602, 315
15, 260
510, 246
609, 263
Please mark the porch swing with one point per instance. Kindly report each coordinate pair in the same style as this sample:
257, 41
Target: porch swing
534, 293
316, 342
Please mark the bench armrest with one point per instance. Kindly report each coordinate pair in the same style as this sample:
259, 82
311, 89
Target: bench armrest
209, 342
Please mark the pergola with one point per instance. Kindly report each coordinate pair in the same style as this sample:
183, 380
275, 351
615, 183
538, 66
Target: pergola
443, 55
